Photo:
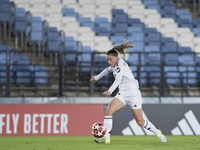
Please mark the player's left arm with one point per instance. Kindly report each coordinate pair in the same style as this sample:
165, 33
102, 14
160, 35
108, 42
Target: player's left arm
118, 80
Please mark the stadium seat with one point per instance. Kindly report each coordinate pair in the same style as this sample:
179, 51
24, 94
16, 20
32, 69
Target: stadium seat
23, 78
173, 79
86, 22
171, 59
170, 47
186, 59
154, 6
190, 79
5, 12
70, 12
36, 32
85, 61
196, 32
5, 48
20, 20
119, 18
151, 49
41, 78
137, 36
71, 44
3, 75
117, 39
152, 37
53, 39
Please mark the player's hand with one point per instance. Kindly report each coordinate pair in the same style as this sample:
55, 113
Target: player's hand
92, 79
107, 93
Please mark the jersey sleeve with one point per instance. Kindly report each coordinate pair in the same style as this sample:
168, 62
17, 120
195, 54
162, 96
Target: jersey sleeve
116, 83
103, 73
119, 76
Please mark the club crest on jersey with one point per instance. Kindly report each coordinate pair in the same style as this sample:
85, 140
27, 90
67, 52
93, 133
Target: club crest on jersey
118, 69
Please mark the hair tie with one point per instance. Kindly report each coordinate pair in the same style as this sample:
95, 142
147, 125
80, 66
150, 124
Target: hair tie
118, 53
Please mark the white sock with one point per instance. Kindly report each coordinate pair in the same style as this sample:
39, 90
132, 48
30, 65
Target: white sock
108, 124
149, 126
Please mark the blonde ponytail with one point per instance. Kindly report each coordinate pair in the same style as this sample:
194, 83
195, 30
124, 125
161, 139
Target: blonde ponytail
122, 47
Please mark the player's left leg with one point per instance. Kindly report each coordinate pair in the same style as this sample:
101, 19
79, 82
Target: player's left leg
147, 124
114, 106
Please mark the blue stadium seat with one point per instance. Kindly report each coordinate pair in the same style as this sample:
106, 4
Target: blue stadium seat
151, 49
132, 30
152, 37
3, 74
150, 2
190, 78
196, 23
72, 47
171, 59
37, 68
170, 47
182, 12
167, 39
168, 10
170, 68
53, 39
100, 20
196, 31
20, 20
70, 12
36, 32
86, 22
103, 27
117, 11
152, 58
85, 60
41, 78
186, 68
132, 21
137, 36
71, 44
119, 18
117, 39
166, 2
186, 59
5, 11
173, 78
150, 30
134, 59
5, 48
119, 29
23, 78
184, 49
3, 78
139, 46
155, 78
154, 6
152, 68
185, 21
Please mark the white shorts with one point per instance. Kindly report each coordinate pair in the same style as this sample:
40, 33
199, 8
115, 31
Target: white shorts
134, 100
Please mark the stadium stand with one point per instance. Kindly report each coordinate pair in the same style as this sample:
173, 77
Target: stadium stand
166, 38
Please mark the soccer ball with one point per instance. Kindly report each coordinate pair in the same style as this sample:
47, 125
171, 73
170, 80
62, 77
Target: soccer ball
98, 130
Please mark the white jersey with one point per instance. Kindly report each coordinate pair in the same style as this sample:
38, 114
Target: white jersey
123, 78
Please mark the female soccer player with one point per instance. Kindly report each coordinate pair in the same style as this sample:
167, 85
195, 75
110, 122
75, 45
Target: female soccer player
129, 92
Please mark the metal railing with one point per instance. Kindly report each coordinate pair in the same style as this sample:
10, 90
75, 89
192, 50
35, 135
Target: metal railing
24, 75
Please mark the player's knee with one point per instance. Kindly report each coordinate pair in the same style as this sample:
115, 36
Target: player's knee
108, 112
140, 122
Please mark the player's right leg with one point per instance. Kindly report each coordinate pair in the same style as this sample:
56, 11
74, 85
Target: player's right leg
147, 124
114, 106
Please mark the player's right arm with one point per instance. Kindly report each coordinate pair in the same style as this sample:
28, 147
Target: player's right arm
100, 75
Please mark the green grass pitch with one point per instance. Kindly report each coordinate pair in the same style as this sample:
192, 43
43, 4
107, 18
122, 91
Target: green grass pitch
87, 143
